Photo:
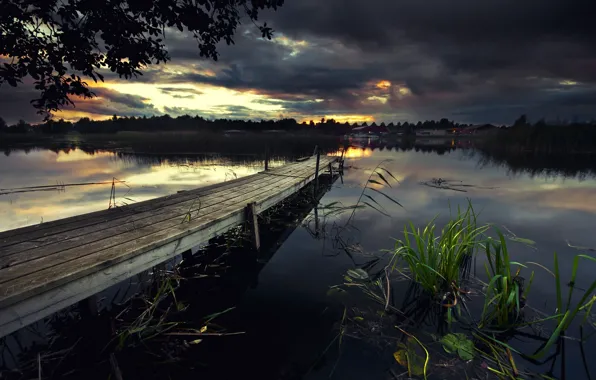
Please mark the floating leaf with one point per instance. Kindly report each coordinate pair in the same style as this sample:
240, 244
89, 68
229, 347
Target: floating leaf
203, 329
401, 357
348, 279
358, 319
358, 274
196, 341
410, 360
460, 344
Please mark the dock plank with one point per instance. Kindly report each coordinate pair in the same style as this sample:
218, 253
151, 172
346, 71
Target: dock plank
29, 249
37, 231
34, 259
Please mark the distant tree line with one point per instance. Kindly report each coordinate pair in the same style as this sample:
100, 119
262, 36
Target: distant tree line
521, 128
545, 137
192, 123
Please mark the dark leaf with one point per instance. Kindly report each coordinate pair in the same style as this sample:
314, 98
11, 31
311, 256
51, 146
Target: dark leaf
387, 196
383, 178
388, 172
373, 199
374, 208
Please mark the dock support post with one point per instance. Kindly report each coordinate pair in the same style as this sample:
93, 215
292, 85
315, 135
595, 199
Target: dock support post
253, 225
316, 186
88, 306
316, 220
187, 255
267, 160
331, 169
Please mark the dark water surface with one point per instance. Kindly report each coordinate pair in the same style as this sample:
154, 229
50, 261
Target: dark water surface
281, 302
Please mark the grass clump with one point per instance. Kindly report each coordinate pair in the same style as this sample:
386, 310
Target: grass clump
436, 261
505, 293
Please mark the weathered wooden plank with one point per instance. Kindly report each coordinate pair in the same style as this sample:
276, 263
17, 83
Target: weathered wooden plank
31, 233
184, 236
33, 260
69, 239
253, 225
30, 310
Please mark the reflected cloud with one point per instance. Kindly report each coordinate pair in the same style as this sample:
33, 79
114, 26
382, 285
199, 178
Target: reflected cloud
352, 152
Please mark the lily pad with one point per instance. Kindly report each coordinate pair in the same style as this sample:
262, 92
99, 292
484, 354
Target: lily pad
409, 358
358, 274
460, 344
411, 361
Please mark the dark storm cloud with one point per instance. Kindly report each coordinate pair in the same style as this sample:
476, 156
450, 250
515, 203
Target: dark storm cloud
475, 61
110, 102
491, 38
175, 91
453, 56
217, 112
129, 101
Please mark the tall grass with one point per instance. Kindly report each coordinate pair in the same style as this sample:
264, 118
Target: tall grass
566, 312
438, 263
505, 294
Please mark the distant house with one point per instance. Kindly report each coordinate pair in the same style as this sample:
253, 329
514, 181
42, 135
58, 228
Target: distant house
431, 132
369, 130
476, 129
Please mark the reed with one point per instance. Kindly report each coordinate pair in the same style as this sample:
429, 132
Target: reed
438, 262
505, 294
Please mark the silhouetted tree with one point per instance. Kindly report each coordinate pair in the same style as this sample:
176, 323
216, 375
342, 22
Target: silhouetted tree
20, 127
55, 42
540, 123
3, 125
521, 121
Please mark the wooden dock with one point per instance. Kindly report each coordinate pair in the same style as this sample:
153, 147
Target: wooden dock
49, 266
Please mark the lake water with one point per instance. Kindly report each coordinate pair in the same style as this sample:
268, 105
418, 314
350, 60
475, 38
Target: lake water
288, 318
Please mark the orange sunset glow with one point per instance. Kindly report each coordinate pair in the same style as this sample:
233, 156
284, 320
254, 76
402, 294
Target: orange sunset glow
352, 152
384, 84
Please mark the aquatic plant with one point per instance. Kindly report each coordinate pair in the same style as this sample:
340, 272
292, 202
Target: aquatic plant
566, 312
378, 177
438, 263
505, 293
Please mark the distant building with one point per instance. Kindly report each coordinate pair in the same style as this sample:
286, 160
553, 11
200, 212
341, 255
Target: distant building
431, 132
475, 129
369, 130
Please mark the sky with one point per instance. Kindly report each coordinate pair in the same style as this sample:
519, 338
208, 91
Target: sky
470, 61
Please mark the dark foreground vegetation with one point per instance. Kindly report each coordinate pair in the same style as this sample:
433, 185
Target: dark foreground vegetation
469, 310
